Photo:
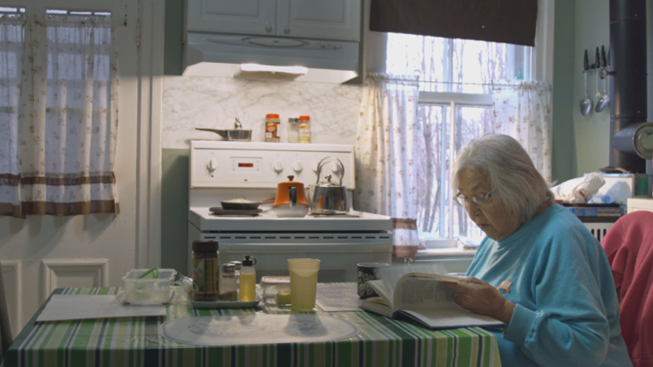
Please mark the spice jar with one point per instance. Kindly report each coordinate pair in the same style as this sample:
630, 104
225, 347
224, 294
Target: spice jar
228, 284
304, 129
276, 290
272, 131
293, 130
205, 271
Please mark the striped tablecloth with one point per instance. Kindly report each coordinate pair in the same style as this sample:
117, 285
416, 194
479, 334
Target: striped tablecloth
138, 342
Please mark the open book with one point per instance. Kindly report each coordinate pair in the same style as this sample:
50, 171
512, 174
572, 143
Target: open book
421, 297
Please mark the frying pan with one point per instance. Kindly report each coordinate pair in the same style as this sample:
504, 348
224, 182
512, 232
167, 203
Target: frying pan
243, 204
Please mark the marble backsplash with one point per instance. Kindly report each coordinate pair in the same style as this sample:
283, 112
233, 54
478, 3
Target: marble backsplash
190, 102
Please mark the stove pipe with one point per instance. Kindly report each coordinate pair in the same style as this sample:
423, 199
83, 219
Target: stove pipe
628, 110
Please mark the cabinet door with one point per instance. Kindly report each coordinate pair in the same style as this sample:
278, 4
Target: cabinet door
229, 16
321, 19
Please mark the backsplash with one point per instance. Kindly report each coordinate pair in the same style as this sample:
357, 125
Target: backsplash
190, 102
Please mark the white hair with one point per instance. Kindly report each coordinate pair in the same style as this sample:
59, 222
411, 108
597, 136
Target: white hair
510, 170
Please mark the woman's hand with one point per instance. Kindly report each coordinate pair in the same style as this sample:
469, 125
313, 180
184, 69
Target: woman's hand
480, 297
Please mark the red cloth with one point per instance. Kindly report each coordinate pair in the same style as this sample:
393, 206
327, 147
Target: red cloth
629, 248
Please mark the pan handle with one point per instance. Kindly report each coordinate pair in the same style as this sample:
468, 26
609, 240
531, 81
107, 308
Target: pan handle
222, 133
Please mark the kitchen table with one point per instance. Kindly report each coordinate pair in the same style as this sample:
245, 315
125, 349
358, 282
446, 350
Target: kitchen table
138, 342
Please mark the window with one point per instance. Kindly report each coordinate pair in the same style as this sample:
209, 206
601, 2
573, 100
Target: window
455, 107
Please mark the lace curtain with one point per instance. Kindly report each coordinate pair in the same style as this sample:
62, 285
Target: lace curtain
58, 97
523, 111
386, 178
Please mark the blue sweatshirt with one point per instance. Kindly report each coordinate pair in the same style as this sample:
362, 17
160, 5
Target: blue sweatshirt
566, 308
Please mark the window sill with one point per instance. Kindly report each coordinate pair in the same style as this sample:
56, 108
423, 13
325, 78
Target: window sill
453, 251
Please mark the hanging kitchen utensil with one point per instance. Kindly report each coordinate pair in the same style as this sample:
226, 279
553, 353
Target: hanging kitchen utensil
605, 99
585, 103
328, 197
597, 68
235, 134
290, 200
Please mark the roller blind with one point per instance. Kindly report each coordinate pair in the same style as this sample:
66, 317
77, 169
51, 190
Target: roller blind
507, 21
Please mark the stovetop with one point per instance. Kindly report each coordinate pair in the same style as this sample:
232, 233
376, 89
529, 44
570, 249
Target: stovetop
204, 220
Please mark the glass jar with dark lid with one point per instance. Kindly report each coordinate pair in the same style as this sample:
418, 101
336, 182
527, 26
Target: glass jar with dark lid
205, 271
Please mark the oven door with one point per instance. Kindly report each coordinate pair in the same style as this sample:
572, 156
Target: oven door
338, 252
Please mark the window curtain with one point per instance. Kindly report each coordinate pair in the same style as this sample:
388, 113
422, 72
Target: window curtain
523, 111
58, 97
386, 178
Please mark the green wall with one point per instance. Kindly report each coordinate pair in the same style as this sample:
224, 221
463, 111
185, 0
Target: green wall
592, 132
174, 209
563, 143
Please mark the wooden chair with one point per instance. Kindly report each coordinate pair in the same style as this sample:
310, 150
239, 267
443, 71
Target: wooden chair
5, 327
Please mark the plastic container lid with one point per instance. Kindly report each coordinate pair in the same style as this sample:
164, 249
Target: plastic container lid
304, 117
269, 280
205, 246
272, 116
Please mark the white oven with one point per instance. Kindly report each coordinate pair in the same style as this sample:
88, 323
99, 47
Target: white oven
227, 170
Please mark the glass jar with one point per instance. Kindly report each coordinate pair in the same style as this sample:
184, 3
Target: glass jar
205, 271
228, 283
276, 290
272, 133
293, 130
304, 129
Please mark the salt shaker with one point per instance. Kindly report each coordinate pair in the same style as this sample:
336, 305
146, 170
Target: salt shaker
228, 286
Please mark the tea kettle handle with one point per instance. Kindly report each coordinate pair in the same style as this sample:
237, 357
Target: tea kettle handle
338, 162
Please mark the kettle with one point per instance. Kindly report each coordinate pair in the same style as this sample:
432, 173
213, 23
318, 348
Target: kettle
329, 197
290, 200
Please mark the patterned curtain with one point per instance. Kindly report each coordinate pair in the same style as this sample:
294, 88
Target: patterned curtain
386, 178
523, 111
58, 94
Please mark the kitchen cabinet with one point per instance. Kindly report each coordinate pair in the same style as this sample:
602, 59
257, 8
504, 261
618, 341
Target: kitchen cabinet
314, 19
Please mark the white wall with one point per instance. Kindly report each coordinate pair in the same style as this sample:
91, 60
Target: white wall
190, 102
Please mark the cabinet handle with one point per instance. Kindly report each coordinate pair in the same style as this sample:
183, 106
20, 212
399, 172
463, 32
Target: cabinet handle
268, 27
286, 29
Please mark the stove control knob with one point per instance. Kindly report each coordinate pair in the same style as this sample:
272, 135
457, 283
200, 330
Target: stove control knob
297, 167
314, 166
211, 166
277, 166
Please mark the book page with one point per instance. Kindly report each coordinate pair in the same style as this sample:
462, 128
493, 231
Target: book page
415, 293
390, 276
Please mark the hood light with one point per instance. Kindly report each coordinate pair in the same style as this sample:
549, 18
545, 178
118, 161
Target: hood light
257, 71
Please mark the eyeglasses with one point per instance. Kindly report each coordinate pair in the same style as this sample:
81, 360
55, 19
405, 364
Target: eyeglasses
478, 200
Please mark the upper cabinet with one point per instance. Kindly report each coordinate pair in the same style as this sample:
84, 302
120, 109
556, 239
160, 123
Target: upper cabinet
316, 19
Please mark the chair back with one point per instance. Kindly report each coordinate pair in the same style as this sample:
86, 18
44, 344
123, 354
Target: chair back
629, 248
5, 327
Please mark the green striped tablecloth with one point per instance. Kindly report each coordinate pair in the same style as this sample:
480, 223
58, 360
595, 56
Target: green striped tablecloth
138, 342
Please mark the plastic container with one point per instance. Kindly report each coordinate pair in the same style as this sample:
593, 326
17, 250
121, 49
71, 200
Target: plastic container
247, 291
272, 128
293, 130
276, 290
304, 129
148, 291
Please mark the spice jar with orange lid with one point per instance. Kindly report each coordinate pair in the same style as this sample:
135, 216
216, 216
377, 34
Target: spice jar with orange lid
272, 128
304, 129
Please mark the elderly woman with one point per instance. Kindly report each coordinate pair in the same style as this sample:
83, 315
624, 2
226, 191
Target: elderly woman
539, 270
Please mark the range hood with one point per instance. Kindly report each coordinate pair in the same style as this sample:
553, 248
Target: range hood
210, 54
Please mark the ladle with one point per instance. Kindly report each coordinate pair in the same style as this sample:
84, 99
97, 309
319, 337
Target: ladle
605, 100
585, 103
